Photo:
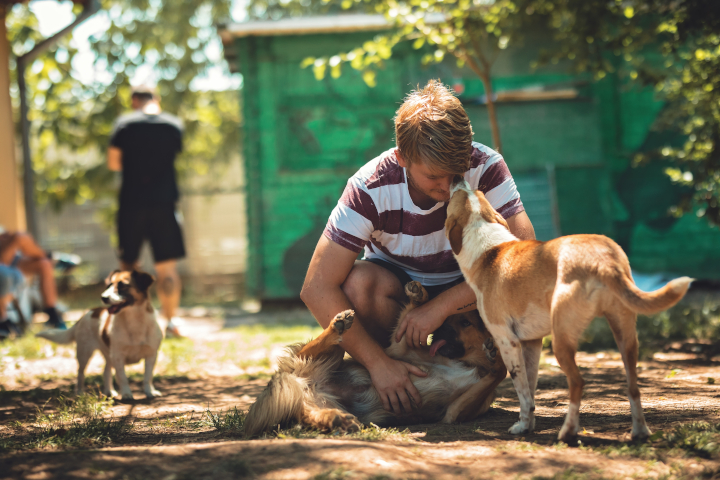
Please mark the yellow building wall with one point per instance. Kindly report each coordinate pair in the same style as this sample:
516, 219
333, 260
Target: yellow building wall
12, 214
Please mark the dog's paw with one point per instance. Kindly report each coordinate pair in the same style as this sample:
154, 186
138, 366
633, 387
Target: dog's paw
343, 321
346, 423
416, 292
490, 349
520, 428
642, 434
153, 393
568, 433
111, 393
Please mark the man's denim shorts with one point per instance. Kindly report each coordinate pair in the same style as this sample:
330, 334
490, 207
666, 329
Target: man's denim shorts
10, 280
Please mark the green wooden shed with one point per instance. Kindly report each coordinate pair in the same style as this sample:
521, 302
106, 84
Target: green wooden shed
568, 142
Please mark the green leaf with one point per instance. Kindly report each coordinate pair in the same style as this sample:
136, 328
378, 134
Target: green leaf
369, 78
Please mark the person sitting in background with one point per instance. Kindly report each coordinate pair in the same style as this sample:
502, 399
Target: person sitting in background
19, 252
10, 281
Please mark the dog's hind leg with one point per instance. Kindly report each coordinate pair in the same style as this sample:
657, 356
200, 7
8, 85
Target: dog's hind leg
622, 323
329, 419
531, 353
327, 342
84, 353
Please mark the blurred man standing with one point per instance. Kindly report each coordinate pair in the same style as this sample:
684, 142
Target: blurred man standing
143, 146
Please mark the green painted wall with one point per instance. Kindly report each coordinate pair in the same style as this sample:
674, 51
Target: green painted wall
571, 159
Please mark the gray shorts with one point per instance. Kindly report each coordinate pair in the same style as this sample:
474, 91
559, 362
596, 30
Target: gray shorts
10, 280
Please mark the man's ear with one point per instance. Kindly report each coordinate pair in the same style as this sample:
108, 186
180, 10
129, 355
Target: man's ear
455, 235
142, 280
401, 160
108, 280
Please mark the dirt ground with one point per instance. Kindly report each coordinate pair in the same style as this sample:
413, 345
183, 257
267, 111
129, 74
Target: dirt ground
228, 362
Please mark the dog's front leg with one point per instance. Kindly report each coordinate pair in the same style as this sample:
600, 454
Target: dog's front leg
512, 354
118, 363
108, 389
148, 379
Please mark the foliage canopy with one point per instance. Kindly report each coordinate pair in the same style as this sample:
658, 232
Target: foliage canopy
71, 121
673, 46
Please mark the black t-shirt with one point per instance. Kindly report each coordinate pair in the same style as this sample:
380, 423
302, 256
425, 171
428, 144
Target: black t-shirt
149, 145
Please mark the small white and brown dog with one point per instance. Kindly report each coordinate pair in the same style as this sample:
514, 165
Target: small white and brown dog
125, 332
528, 289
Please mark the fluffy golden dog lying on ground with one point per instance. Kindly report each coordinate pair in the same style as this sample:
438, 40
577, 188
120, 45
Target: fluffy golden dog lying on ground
528, 289
316, 387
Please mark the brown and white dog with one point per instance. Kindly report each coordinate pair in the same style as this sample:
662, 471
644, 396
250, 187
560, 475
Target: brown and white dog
316, 387
528, 289
125, 332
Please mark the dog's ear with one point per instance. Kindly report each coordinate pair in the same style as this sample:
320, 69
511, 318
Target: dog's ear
455, 235
108, 280
499, 219
142, 280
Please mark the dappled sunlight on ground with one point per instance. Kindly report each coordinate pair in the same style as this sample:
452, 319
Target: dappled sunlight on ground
209, 378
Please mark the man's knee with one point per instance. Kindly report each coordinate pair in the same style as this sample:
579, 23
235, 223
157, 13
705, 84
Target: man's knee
368, 283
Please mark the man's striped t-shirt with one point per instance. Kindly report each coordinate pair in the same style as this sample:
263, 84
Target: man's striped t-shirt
376, 213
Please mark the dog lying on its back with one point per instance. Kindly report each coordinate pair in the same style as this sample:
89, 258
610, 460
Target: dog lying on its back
316, 387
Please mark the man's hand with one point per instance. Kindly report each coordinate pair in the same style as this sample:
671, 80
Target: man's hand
419, 323
391, 379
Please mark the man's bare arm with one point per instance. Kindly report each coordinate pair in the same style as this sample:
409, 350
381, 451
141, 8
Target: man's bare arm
114, 159
521, 227
322, 293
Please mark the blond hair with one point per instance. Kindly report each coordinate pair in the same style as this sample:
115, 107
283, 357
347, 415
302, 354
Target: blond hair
431, 126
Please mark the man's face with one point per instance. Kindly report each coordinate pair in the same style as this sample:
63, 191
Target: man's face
429, 181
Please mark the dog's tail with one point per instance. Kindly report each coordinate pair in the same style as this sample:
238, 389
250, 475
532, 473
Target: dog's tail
59, 336
647, 302
281, 401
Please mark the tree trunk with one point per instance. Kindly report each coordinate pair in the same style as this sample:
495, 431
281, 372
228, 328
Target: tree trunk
492, 115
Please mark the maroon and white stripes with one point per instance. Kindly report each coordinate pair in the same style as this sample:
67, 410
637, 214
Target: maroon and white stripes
376, 212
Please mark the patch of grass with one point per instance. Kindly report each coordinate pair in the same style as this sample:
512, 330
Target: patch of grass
28, 347
232, 420
700, 439
335, 474
697, 439
572, 474
269, 335
85, 433
87, 405
369, 433
178, 355
519, 446
72, 423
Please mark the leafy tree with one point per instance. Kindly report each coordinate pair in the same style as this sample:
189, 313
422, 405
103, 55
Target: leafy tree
474, 32
71, 122
672, 45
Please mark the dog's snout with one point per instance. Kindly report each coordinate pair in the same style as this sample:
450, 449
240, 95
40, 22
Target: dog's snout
105, 300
